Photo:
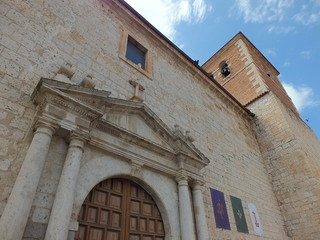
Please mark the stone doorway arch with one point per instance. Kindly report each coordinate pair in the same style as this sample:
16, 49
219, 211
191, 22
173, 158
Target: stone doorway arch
115, 137
119, 209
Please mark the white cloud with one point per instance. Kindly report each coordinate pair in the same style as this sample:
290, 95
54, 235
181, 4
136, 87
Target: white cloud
306, 54
165, 15
302, 97
181, 46
307, 18
286, 64
305, 12
270, 52
308, 15
263, 10
281, 29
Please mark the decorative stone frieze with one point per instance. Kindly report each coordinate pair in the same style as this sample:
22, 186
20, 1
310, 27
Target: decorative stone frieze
47, 93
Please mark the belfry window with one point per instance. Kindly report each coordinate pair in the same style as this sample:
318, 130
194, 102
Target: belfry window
136, 53
225, 70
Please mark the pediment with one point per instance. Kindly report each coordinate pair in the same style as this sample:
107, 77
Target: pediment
135, 123
131, 121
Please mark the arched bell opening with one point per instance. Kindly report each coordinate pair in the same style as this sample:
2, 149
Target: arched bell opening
224, 69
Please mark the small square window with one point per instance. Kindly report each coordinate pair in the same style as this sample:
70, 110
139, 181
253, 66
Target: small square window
136, 53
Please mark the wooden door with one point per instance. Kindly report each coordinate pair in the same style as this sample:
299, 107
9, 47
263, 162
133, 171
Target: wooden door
119, 209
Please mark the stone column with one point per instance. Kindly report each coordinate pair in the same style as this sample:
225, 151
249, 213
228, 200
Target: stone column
199, 211
62, 207
14, 218
185, 209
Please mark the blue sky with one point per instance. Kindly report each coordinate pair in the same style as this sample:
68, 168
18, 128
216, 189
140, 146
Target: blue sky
287, 32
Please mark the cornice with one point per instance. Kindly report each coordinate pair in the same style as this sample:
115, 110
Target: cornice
56, 100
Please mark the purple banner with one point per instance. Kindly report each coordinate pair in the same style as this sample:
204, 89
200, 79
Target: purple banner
220, 209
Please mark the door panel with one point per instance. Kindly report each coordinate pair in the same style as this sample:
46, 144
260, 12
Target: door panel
119, 209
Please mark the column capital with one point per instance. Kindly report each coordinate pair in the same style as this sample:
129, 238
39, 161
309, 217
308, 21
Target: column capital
182, 178
45, 127
77, 140
197, 184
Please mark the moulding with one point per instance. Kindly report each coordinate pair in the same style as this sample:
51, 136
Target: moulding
85, 111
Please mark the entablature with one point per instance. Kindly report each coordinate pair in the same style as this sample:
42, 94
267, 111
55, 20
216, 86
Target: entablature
128, 129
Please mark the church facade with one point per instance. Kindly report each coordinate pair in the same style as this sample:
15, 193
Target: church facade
109, 131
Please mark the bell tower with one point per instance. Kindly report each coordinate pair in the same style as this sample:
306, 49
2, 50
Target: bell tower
289, 147
242, 69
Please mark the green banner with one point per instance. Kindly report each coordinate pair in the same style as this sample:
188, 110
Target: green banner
239, 215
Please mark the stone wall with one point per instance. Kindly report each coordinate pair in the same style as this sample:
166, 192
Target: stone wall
40, 37
290, 149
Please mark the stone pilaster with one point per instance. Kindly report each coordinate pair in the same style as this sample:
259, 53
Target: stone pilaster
63, 203
185, 209
199, 212
14, 218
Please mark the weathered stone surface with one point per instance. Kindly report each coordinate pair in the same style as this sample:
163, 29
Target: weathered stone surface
4, 164
35, 231
271, 160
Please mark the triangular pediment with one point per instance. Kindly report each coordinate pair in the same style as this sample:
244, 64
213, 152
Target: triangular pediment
132, 121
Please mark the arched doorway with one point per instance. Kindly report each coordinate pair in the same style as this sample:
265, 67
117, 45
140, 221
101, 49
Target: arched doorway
119, 209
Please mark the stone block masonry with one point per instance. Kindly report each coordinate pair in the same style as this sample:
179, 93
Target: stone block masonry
39, 38
293, 165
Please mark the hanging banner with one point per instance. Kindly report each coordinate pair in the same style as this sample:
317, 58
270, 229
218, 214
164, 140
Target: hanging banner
255, 219
239, 216
220, 209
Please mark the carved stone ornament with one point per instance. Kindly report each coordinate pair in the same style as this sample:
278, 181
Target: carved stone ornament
110, 124
138, 91
182, 177
136, 169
